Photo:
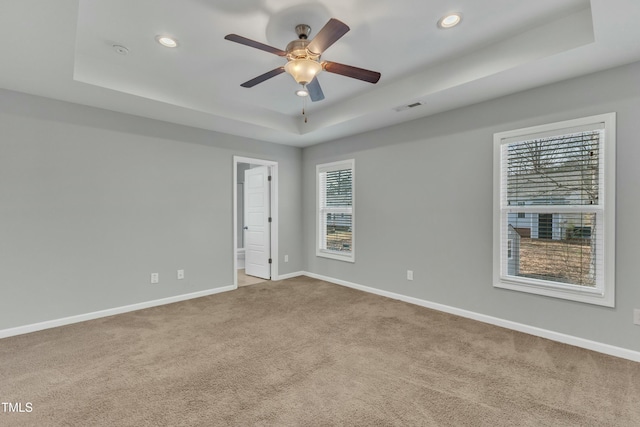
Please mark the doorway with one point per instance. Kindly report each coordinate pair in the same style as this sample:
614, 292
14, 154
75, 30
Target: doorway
255, 220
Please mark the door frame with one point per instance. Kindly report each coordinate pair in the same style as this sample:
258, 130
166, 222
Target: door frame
273, 201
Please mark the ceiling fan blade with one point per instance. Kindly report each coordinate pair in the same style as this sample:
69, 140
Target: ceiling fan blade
252, 43
263, 77
353, 72
315, 91
328, 35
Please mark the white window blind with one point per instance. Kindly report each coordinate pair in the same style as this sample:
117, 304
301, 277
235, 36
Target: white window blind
335, 210
555, 205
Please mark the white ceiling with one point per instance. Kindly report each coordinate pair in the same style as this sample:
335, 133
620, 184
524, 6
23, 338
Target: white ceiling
63, 49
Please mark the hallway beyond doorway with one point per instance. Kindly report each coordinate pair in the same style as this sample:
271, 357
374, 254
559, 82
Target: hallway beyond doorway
244, 280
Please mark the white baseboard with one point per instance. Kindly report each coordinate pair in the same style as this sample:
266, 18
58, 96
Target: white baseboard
290, 275
5, 333
520, 327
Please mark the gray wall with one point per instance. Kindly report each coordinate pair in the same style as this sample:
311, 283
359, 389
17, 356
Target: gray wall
424, 202
92, 202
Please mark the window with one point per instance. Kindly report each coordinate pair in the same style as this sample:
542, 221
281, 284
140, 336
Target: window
335, 213
554, 191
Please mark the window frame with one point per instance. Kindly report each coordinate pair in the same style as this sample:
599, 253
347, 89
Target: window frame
325, 253
605, 294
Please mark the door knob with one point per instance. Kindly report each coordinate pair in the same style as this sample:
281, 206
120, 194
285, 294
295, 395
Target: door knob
245, 227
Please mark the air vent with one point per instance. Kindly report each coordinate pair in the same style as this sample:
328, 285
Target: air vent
409, 106
122, 50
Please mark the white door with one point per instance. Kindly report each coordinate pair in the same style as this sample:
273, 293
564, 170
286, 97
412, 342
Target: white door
257, 229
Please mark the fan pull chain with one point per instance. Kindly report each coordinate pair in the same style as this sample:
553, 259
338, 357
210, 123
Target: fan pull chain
304, 102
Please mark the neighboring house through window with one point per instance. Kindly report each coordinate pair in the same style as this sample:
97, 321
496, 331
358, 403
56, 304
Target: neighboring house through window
555, 192
335, 212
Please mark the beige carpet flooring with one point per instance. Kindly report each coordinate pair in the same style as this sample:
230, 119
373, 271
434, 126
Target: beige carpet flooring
303, 352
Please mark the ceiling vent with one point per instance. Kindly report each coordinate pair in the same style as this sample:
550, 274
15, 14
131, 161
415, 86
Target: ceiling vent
409, 106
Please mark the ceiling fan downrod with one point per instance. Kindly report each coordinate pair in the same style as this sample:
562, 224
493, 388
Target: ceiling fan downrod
303, 31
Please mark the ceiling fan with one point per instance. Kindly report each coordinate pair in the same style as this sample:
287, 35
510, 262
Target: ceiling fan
303, 59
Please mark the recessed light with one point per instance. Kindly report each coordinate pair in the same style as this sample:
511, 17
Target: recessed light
167, 41
450, 20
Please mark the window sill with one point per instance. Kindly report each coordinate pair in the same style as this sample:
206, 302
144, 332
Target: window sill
335, 255
569, 292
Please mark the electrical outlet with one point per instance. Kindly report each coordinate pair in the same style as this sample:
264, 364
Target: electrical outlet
286, 258
409, 274
636, 316
155, 278
180, 274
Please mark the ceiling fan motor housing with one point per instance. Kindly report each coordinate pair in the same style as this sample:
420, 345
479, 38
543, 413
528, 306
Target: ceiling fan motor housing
297, 49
